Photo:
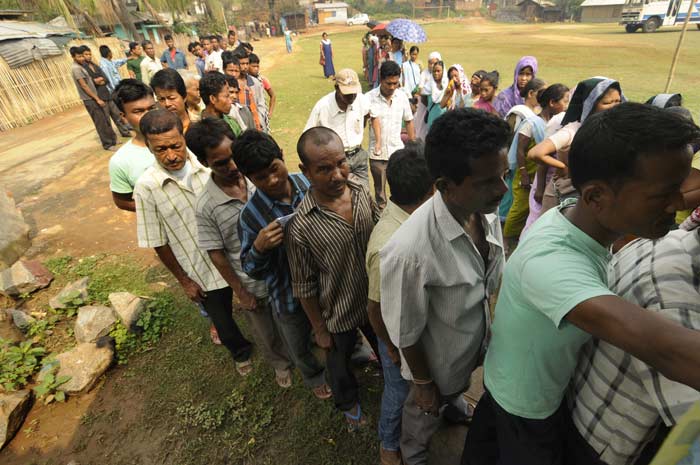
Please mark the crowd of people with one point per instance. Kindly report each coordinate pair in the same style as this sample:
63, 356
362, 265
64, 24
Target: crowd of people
554, 205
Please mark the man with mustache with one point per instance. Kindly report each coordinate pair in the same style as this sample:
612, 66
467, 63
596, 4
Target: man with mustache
440, 269
327, 243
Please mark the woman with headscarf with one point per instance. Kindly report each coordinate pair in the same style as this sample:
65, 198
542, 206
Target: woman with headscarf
666, 100
458, 92
525, 70
590, 96
433, 93
419, 120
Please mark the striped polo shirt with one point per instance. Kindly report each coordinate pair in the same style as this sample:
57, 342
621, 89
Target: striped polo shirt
327, 258
165, 215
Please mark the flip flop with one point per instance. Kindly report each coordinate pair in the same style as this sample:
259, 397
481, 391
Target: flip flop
283, 378
244, 368
322, 391
355, 422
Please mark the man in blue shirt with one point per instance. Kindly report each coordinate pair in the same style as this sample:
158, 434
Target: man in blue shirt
263, 255
172, 57
111, 67
196, 49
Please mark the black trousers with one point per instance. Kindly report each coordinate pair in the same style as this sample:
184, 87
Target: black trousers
100, 118
498, 437
339, 368
219, 305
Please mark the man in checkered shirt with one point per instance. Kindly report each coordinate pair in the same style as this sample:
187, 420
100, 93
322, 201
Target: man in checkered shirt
617, 401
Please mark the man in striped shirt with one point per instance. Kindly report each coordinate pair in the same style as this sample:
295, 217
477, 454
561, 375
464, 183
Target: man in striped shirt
617, 401
263, 255
165, 195
327, 242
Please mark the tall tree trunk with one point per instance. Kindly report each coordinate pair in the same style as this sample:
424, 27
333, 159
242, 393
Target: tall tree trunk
126, 20
92, 24
154, 13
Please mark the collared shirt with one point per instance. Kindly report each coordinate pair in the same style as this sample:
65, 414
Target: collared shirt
111, 70
272, 266
534, 348
392, 217
391, 113
165, 215
127, 165
214, 62
620, 400
95, 72
149, 67
435, 289
217, 228
179, 62
327, 258
348, 124
247, 99
79, 72
134, 65
200, 64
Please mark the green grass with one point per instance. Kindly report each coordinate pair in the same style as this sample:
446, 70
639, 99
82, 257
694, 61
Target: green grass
566, 53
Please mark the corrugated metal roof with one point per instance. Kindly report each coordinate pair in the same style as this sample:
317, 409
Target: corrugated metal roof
28, 29
21, 52
602, 2
324, 6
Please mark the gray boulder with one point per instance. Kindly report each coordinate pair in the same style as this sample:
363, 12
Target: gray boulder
21, 320
127, 306
14, 232
24, 277
93, 322
77, 290
84, 364
14, 407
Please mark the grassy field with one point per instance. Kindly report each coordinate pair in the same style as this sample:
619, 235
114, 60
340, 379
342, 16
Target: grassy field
566, 53
181, 402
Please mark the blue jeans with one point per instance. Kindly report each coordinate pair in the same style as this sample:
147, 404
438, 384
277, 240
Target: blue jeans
395, 392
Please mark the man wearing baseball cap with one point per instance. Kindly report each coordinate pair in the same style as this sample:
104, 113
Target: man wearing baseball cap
345, 111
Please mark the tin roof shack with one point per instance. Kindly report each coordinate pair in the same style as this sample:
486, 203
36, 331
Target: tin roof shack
331, 13
601, 11
535, 11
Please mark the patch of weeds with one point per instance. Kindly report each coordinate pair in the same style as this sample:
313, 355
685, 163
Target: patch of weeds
59, 265
48, 388
18, 363
37, 330
72, 301
152, 323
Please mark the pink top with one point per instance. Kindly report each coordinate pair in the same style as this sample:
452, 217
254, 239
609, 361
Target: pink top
484, 105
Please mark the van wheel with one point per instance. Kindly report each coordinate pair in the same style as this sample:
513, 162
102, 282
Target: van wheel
650, 25
631, 28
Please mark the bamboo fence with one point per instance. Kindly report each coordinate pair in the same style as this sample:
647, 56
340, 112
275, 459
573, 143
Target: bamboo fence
45, 87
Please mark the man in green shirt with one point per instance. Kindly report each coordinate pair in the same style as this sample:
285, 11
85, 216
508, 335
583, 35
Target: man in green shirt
628, 164
133, 64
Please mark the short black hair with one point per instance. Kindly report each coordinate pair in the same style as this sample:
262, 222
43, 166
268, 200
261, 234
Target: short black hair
408, 176
146, 42
75, 51
555, 92
493, 77
609, 144
253, 58
211, 84
319, 136
231, 32
255, 151
133, 45
130, 90
85, 48
232, 82
207, 134
104, 51
414, 48
460, 136
169, 79
168, 37
192, 45
535, 84
241, 53
159, 121
227, 58
389, 69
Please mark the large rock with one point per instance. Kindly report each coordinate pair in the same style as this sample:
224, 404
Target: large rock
93, 322
14, 407
77, 290
21, 320
85, 363
14, 232
127, 306
24, 277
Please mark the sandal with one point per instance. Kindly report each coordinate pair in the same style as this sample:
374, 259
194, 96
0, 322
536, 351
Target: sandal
322, 391
355, 422
244, 368
214, 335
283, 378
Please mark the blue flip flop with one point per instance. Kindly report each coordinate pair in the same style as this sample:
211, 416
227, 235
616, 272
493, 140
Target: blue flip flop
354, 427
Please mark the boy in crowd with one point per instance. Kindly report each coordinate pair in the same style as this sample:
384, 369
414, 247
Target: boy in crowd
628, 164
262, 86
218, 209
165, 195
173, 57
246, 93
134, 99
171, 93
216, 96
263, 254
195, 48
149, 65
241, 114
133, 64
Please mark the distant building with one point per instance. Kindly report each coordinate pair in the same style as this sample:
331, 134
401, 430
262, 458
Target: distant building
330, 13
601, 11
539, 11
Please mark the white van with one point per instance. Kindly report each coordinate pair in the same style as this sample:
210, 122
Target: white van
649, 15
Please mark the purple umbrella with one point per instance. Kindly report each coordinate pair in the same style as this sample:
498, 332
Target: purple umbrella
407, 30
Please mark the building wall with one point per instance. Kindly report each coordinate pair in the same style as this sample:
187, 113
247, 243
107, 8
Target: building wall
332, 15
601, 14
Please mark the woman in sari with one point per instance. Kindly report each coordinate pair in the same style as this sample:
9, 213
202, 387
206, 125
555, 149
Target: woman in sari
326, 59
433, 93
458, 92
420, 120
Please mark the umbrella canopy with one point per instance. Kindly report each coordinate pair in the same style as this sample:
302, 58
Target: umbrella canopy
380, 29
407, 30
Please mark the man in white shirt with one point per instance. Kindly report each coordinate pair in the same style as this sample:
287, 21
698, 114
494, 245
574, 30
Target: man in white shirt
345, 111
388, 110
213, 61
149, 65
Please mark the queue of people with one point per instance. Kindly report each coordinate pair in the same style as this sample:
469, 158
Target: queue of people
553, 205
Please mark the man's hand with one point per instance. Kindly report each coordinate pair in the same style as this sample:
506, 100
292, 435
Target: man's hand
394, 354
193, 290
269, 237
539, 195
100, 102
428, 398
247, 299
100, 81
323, 338
524, 178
